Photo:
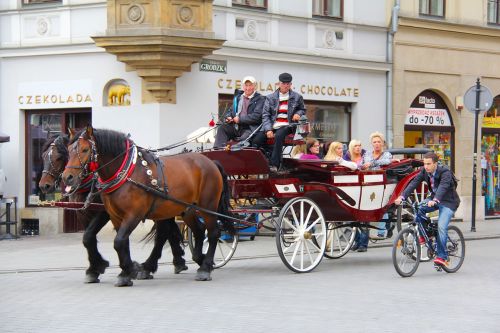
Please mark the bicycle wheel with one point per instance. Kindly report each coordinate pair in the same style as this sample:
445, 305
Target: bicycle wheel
456, 249
405, 252
339, 239
404, 213
226, 246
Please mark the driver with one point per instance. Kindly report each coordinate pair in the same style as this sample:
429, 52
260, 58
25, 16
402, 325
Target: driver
281, 108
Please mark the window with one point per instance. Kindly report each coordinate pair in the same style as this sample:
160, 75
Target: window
40, 125
32, 2
331, 8
251, 3
432, 7
329, 121
493, 12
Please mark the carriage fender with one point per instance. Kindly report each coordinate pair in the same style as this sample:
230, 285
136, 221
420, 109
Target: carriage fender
331, 188
402, 185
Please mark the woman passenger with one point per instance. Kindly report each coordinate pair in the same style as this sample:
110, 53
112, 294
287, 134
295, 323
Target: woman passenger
355, 153
377, 157
312, 151
335, 154
298, 150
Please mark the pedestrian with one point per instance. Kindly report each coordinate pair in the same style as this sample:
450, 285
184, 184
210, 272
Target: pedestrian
443, 197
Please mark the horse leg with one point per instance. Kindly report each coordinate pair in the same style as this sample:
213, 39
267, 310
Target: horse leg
97, 263
122, 247
207, 266
175, 240
198, 230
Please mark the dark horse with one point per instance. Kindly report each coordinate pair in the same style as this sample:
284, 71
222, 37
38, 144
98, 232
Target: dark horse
154, 188
55, 156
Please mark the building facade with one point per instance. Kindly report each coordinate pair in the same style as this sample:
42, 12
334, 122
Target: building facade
117, 64
440, 49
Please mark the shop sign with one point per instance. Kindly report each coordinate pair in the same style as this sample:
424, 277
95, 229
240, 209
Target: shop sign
427, 117
491, 122
54, 94
210, 65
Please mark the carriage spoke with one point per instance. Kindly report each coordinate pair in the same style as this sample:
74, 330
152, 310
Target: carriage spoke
287, 221
313, 224
296, 221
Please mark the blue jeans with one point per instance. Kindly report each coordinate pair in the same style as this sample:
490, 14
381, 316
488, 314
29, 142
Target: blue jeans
445, 215
361, 238
384, 225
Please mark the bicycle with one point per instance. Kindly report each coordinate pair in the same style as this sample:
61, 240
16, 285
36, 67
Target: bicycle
419, 236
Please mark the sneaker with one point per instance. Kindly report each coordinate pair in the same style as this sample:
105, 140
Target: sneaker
389, 233
421, 240
378, 237
440, 262
354, 248
362, 249
273, 169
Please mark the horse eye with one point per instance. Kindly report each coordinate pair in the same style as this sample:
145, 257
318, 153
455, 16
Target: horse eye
85, 150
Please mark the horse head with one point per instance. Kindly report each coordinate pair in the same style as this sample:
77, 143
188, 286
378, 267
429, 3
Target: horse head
82, 157
54, 156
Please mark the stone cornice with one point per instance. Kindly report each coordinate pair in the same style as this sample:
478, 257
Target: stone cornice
444, 26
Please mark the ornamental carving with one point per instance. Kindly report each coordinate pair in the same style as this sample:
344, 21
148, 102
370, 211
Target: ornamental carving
251, 29
185, 15
329, 39
135, 14
42, 26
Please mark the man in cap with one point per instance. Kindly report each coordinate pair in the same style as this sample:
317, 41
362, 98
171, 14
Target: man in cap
245, 115
281, 109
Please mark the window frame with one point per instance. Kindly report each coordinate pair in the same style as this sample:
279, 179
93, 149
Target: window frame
497, 13
429, 7
248, 5
325, 11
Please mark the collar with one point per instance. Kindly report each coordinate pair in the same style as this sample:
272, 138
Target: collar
124, 171
249, 97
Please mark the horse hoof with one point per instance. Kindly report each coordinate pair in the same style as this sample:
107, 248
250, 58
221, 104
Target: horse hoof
102, 267
92, 278
203, 276
136, 268
124, 282
144, 275
180, 268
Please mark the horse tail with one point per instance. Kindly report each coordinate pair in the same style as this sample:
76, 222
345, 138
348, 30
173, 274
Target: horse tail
224, 205
150, 235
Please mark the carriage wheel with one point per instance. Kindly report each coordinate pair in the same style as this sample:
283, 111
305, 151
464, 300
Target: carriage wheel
405, 252
226, 246
456, 249
405, 214
339, 239
301, 235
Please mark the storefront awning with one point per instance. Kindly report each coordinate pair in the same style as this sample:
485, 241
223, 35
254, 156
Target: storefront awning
4, 137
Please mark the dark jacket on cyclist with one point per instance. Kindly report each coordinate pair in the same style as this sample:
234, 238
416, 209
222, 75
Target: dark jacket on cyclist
444, 186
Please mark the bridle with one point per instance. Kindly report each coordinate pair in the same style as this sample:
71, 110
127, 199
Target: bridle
52, 170
88, 167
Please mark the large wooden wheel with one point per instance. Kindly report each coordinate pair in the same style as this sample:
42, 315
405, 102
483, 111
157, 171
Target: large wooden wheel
301, 235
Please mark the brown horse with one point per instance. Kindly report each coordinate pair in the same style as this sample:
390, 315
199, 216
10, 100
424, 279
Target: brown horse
55, 157
155, 188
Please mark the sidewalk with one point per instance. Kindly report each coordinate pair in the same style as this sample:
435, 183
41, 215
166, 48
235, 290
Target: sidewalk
66, 252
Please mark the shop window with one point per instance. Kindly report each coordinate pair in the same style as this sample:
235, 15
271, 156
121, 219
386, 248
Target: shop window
251, 3
40, 125
329, 8
490, 159
493, 11
429, 125
329, 121
432, 7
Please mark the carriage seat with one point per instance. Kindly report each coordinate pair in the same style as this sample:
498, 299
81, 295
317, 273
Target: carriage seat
399, 170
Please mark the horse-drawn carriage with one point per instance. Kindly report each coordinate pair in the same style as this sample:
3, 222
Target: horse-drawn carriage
314, 206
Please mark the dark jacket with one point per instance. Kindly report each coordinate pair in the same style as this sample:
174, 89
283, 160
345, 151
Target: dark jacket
270, 111
254, 112
444, 184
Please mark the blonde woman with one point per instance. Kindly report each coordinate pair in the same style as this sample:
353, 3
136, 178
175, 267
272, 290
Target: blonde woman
335, 154
377, 157
355, 153
298, 150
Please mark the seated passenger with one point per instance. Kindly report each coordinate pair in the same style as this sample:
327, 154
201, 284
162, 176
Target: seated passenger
281, 109
335, 154
373, 160
298, 150
244, 117
312, 151
355, 153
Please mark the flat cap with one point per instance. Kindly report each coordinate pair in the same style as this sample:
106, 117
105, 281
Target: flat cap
285, 77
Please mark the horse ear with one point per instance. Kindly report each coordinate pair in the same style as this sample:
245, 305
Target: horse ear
72, 133
90, 131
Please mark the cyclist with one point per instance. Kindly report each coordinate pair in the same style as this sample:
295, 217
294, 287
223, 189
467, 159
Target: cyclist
443, 196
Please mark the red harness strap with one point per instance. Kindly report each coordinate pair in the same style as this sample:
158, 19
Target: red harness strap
119, 172
85, 184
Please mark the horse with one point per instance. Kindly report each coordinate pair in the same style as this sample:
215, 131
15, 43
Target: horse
55, 156
188, 185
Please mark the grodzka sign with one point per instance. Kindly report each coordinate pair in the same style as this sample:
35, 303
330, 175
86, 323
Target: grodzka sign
210, 65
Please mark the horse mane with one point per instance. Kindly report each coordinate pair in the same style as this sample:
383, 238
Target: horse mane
61, 143
108, 142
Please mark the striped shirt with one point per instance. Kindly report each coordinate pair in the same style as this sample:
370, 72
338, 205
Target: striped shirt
282, 116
